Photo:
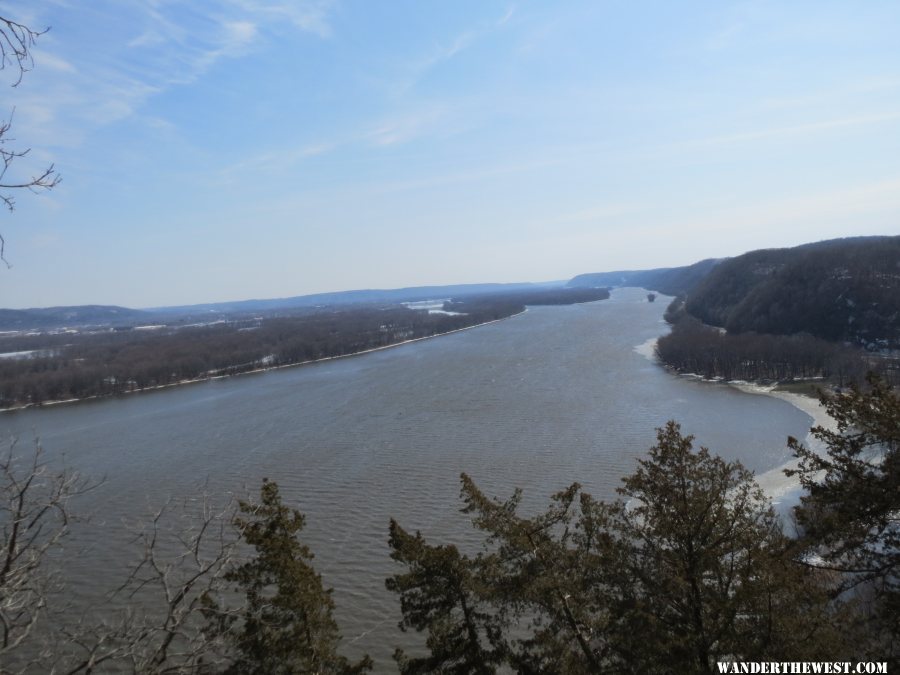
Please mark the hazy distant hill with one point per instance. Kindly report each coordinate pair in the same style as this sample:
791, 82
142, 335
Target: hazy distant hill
411, 294
101, 315
80, 315
842, 290
667, 280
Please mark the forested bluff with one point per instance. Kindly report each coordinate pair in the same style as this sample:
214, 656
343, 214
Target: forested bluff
827, 311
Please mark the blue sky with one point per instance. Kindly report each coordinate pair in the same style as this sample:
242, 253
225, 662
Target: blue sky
231, 149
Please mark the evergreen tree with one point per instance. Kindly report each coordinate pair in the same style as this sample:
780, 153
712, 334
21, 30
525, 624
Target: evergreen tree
286, 625
444, 594
705, 570
687, 568
850, 511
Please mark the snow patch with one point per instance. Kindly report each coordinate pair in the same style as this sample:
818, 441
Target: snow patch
647, 349
785, 491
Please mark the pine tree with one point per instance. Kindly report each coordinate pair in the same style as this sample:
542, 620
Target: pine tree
851, 512
706, 571
443, 594
286, 625
687, 568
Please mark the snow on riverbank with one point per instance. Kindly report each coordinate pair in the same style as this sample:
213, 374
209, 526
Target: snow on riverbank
647, 349
265, 366
784, 491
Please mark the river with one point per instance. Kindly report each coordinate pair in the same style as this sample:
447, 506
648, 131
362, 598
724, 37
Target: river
545, 398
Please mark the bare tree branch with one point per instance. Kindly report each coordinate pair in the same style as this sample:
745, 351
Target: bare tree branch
34, 517
167, 599
16, 43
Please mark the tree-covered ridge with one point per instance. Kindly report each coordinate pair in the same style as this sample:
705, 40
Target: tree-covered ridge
79, 315
44, 318
667, 280
845, 290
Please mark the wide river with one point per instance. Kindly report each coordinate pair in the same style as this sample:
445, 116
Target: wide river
548, 397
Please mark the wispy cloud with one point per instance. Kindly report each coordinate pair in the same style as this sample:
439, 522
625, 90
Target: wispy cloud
406, 127
725, 37
306, 16
49, 60
510, 11
417, 69
388, 132
273, 161
149, 48
811, 209
796, 130
824, 99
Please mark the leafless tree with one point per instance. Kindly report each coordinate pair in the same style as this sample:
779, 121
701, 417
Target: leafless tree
155, 621
34, 518
173, 590
16, 44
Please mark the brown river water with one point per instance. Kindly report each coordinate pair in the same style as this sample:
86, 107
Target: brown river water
537, 401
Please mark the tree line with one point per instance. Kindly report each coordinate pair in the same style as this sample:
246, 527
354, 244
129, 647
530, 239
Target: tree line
688, 568
81, 365
693, 347
843, 290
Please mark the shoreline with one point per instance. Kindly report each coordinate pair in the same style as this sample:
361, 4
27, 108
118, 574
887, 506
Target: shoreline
782, 490
255, 371
785, 491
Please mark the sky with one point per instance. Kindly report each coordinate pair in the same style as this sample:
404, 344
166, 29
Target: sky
234, 149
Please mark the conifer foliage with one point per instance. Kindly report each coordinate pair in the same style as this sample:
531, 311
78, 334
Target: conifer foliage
851, 511
285, 625
689, 567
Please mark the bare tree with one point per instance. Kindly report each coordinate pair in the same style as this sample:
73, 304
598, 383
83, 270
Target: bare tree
16, 44
34, 518
185, 556
155, 621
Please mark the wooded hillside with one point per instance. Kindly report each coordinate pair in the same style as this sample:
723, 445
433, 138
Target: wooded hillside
843, 290
667, 280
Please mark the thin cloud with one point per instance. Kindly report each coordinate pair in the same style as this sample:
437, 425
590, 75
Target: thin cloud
407, 127
276, 161
307, 16
823, 99
447, 50
48, 60
506, 17
815, 208
153, 47
792, 130
726, 37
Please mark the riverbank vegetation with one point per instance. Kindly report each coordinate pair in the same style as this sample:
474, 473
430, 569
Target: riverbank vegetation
72, 365
714, 353
688, 568
827, 312
692, 347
